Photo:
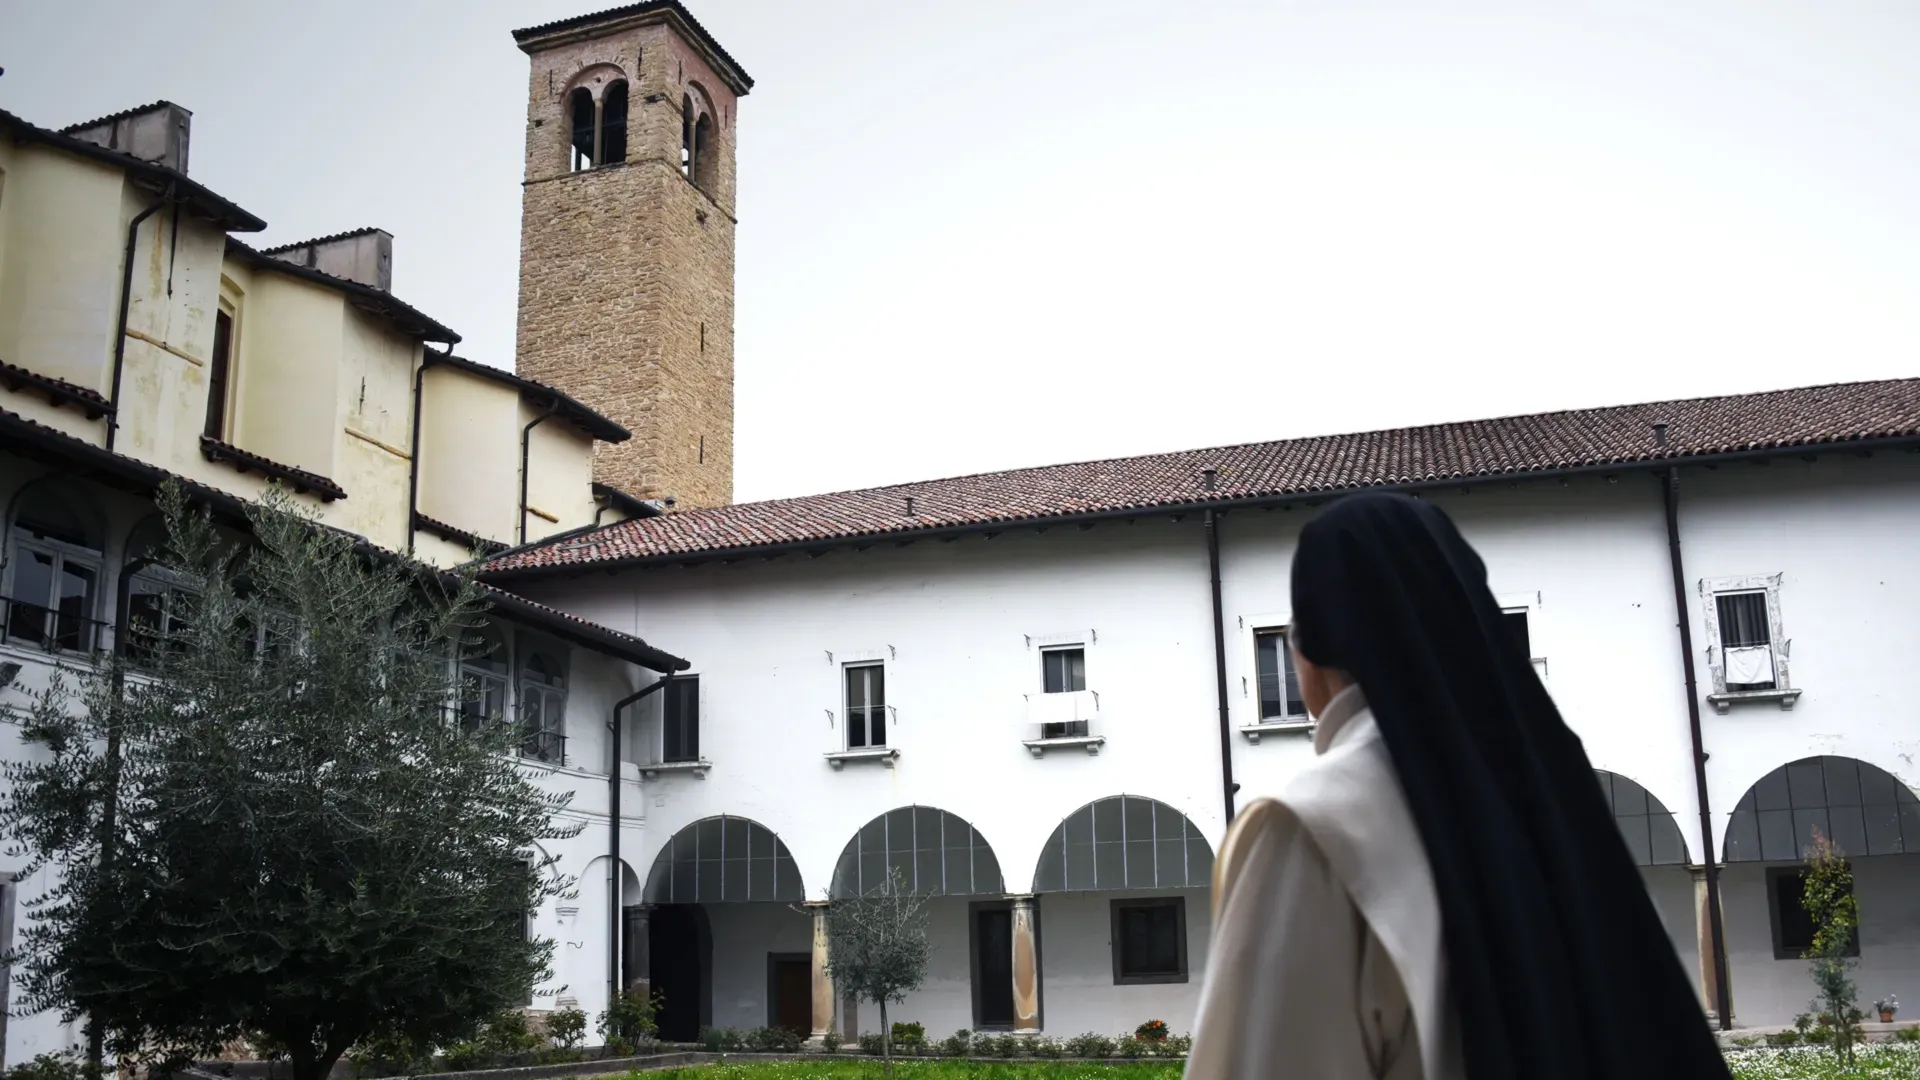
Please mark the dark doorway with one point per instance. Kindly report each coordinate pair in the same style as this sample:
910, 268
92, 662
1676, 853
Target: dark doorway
992, 967
790, 992
681, 948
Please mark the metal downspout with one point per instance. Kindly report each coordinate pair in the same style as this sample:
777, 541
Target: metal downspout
1227, 786
613, 835
126, 307
427, 357
526, 447
1670, 487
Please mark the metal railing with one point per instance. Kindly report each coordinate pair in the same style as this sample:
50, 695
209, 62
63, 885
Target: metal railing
49, 628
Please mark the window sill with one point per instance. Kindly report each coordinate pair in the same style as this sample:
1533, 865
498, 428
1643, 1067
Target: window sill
882, 754
300, 480
1090, 743
697, 767
1276, 727
1723, 702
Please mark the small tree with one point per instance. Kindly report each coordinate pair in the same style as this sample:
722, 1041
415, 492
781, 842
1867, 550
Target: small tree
1828, 899
273, 824
877, 949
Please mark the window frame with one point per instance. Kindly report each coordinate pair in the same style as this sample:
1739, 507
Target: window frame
502, 680
847, 707
61, 553
1778, 644
552, 698
1116, 907
668, 697
221, 365
1781, 950
1047, 651
1285, 653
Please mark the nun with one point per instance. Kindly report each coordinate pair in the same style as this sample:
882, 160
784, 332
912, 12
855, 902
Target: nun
1442, 892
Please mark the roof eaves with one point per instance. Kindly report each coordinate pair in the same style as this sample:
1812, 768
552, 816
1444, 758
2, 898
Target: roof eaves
723, 63
281, 249
578, 413
159, 178
365, 297
1308, 494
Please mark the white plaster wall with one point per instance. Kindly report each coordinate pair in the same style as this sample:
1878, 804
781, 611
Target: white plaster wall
944, 1002
1078, 993
1770, 991
1588, 558
744, 935
1671, 888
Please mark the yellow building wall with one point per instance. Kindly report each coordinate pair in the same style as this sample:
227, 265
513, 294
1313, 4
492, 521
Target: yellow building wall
559, 476
375, 434
60, 280
164, 372
288, 371
470, 453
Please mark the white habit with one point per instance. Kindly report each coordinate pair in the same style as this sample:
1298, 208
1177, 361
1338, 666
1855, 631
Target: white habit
1326, 959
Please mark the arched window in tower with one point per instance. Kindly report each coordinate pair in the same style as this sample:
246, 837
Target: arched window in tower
686, 136
581, 111
613, 125
703, 156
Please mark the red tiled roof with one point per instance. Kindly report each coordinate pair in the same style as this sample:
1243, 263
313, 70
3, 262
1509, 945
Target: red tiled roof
1513, 446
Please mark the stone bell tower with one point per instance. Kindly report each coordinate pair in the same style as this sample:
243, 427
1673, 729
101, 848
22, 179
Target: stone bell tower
626, 239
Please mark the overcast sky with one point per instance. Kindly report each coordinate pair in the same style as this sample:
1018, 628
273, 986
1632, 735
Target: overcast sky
999, 233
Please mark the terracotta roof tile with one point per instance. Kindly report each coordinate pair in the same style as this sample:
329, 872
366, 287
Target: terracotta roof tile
1439, 453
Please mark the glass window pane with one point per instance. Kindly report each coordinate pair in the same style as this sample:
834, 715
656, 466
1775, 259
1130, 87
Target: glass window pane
1267, 649
856, 688
1076, 661
877, 686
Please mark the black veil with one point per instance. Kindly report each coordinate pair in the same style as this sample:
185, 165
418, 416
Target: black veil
1557, 961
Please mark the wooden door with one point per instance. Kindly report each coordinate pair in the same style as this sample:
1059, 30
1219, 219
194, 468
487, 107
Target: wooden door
791, 993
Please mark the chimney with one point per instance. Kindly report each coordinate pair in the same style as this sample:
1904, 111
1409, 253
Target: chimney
910, 506
156, 133
1208, 476
363, 255
1660, 434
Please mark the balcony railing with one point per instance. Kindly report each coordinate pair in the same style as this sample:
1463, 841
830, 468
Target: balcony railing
51, 629
544, 745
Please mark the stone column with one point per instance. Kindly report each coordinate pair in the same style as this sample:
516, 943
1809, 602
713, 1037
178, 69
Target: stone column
822, 984
635, 956
1703, 939
1026, 968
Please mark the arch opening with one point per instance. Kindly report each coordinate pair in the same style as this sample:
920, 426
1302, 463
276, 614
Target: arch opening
613, 124
1651, 832
938, 853
724, 860
580, 113
1862, 808
1123, 843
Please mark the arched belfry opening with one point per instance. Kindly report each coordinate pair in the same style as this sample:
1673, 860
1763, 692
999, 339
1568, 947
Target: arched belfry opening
581, 113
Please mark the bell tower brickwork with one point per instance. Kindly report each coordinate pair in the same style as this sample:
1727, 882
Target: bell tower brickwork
626, 251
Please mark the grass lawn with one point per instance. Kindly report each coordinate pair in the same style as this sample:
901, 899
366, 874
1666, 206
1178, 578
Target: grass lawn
1888, 1060
1879, 1062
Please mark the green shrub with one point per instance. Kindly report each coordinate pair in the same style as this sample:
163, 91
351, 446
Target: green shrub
1043, 1047
957, 1045
772, 1040
1129, 1046
1179, 1045
1783, 1038
385, 1055
1090, 1045
508, 1034
1821, 1035
567, 1027
1907, 1034
1152, 1031
870, 1043
630, 1018
832, 1041
463, 1056
909, 1034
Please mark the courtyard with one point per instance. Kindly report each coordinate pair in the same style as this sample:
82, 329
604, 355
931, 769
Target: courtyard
1802, 1063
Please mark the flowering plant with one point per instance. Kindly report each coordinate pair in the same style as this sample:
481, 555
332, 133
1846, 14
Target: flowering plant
1887, 1005
1151, 1031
